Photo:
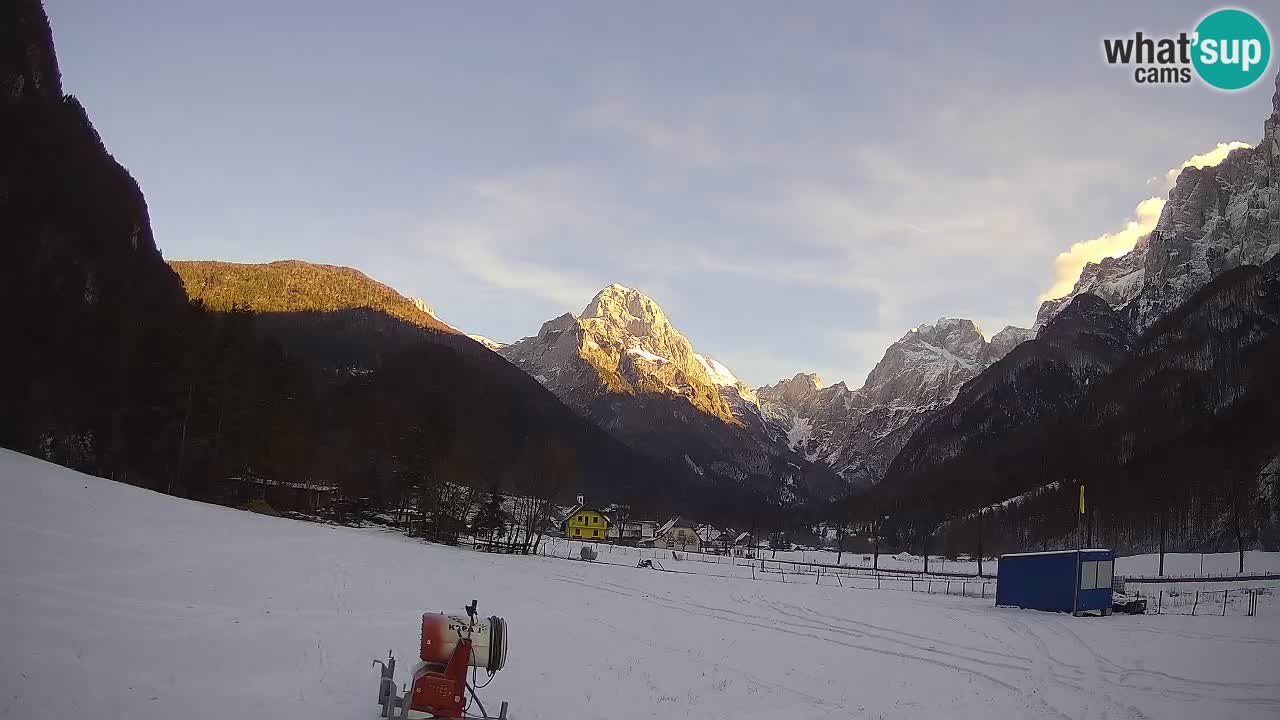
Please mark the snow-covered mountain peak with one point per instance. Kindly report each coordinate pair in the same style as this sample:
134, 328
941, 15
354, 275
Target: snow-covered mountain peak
627, 309
798, 389
857, 432
422, 305
622, 343
719, 374
488, 342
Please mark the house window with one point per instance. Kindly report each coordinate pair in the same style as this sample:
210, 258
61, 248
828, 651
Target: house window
595, 533
576, 531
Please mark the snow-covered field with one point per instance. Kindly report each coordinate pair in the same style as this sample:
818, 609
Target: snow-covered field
121, 603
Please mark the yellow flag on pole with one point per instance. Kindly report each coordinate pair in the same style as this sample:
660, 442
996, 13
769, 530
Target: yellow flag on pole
1082, 498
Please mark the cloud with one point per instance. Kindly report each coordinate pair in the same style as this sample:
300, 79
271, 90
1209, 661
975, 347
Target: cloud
686, 140
1208, 159
488, 230
1068, 265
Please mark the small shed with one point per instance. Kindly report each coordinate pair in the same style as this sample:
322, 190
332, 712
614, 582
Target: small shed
1050, 580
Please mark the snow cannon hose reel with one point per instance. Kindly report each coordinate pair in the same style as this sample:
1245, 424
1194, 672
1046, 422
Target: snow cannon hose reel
449, 646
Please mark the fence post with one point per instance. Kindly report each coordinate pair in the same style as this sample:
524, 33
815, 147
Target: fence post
1225, 594
1195, 604
929, 588
877, 581
913, 583
948, 587
818, 579
1160, 604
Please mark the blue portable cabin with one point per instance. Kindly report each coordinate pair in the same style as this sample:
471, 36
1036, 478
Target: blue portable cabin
1048, 580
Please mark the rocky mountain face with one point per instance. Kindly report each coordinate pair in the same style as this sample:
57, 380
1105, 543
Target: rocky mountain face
1172, 427
858, 432
1216, 218
622, 343
622, 364
1085, 341
621, 360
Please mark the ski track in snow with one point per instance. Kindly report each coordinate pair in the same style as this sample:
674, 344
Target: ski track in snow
123, 603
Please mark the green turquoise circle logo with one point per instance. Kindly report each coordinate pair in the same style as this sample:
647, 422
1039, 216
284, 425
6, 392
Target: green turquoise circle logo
1232, 49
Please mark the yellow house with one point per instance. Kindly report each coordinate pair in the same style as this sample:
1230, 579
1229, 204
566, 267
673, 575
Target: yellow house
586, 524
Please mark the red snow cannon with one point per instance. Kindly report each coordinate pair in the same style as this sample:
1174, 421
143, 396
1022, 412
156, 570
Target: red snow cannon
449, 646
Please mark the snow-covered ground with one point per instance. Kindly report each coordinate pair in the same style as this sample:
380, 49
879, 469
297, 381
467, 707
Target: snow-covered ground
117, 602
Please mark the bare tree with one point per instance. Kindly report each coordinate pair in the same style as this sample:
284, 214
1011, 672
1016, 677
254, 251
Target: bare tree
543, 473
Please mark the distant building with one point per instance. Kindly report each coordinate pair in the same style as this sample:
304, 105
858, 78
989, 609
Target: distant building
677, 535
633, 532
586, 523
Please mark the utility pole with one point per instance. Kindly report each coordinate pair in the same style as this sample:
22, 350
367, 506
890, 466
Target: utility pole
1075, 603
980, 540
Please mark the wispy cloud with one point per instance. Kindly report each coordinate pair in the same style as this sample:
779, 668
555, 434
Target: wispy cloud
1067, 265
493, 231
689, 141
1208, 159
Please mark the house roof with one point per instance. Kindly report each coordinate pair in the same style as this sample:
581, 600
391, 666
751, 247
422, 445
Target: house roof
584, 508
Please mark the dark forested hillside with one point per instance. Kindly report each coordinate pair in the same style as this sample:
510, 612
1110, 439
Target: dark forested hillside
91, 304
1171, 436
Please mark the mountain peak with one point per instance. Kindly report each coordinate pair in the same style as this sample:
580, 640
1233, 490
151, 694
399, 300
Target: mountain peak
811, 378
794, 391
627, 309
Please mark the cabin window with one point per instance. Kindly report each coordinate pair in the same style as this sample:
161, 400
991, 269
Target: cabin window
1104, 574
1089, 575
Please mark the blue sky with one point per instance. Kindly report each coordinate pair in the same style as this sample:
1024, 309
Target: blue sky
796, 185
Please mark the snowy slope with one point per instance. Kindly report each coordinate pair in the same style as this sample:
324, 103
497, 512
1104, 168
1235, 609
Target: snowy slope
123, 603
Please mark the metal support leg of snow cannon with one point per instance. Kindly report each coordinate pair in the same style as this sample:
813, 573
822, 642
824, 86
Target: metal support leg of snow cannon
393, 705
385, 688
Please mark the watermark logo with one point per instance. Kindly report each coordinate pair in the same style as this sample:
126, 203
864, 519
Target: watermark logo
1229, 49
